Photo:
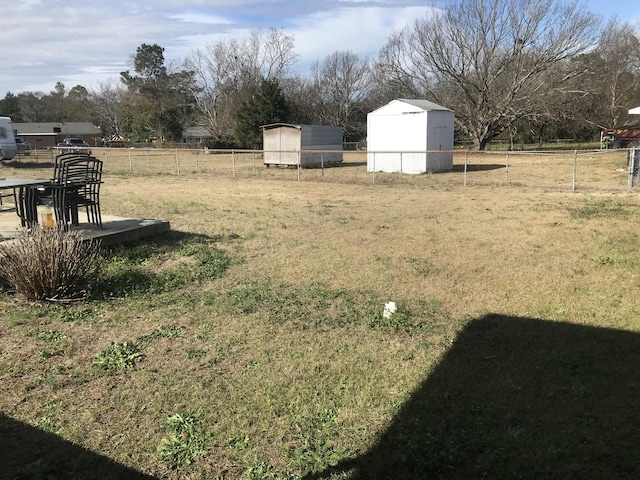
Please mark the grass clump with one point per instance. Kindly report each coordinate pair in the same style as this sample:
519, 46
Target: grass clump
49, 265
118, 356
159, 267
183, 442
170, 331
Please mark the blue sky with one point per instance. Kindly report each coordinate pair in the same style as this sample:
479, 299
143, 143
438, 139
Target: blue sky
91, 41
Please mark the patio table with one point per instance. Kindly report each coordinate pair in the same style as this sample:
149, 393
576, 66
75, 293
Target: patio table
23, 185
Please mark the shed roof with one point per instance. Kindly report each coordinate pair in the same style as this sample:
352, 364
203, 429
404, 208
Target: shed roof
425, 105
66, 128
197, 132
408, 105
295, 125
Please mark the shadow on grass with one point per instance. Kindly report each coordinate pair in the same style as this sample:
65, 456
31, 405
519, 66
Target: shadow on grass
27, 452
480, 167
174, 239
517, 398
27, 163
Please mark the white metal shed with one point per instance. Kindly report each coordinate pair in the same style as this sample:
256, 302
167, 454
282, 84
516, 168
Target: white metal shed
410, 136
306, 145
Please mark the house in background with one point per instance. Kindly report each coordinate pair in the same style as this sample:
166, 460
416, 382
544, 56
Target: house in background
304, 145
410, 136
48, 134
196, 136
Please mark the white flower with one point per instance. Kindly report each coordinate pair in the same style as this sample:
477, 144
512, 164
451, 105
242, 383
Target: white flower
389, 309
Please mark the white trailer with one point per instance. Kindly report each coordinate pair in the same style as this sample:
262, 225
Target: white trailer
8, 147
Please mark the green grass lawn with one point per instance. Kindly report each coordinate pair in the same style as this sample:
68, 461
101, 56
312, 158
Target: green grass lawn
250, 342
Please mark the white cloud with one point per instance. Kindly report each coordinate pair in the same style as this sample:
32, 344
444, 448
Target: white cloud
199, 18
361, 30
87, 41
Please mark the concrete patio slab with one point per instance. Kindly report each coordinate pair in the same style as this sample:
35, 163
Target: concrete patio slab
115, 229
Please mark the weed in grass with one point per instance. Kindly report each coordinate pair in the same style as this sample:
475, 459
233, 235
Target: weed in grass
23, 315
118, 356
318, 451
183, 441
421, 266
212, 260
602, 208
55, 341
194, 353
251, 365
604, 261
50, 336
48, 424
240, 442
169, 331
49, 378
260, 471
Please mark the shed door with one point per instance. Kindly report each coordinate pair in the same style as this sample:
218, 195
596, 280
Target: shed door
281, 146
290, 145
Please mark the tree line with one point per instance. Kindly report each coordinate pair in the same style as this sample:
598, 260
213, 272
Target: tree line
521, 71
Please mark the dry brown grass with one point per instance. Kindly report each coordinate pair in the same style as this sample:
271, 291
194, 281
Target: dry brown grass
540, 253
510, 250
478, 249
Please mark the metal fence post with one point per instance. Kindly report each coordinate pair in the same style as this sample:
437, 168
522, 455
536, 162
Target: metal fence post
130, 162
632, 165
233, 162
254, 163
373, 170
465, 168
506, 169
299, 163
575, 169
177, 162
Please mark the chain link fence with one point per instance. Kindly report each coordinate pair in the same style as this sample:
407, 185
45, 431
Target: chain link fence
566, 170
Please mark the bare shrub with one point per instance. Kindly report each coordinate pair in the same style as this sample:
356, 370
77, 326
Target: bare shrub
49, 264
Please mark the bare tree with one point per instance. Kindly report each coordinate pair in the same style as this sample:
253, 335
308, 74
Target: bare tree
228, 72
488, 60
614, 74
340, 84
109, 102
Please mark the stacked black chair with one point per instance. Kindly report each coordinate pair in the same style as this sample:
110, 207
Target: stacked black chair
80, 187
76, 182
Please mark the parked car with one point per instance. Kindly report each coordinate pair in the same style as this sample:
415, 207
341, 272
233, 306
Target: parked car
74, 144
24, 148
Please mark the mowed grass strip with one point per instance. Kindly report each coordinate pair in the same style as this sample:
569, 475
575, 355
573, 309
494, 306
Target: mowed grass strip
260, 324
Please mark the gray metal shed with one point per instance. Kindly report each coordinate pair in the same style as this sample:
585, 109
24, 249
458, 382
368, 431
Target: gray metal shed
304, 145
